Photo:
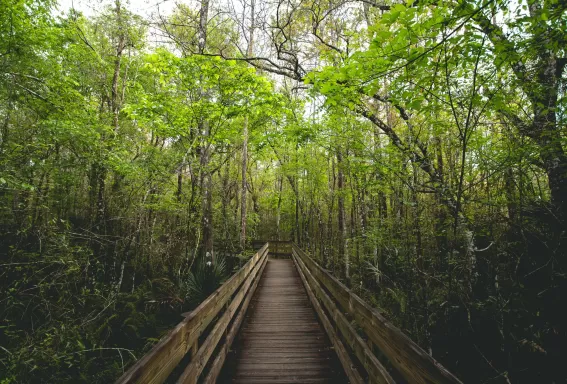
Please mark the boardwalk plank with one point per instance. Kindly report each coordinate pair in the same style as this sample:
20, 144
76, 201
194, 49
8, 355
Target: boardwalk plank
281, 340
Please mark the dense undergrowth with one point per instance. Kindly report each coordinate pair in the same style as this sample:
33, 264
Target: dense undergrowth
64, 320
416, 149
508, 318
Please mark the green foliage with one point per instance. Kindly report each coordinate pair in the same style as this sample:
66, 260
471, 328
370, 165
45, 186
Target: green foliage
203, 279
425, 166
93, 232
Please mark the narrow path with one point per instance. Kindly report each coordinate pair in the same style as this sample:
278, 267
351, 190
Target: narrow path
281, 340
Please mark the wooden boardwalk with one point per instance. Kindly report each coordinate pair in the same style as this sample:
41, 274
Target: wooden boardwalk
281, 340
285, 321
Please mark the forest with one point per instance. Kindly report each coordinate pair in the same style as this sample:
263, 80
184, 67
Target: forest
415, 148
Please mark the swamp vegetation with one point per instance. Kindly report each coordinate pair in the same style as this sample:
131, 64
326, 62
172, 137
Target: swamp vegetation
416, 149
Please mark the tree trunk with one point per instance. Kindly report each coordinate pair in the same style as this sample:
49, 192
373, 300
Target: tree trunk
343, 252
115, 99
204, 131
279, 208
244, 188
330, 213
542, 91
206, 199
548, 137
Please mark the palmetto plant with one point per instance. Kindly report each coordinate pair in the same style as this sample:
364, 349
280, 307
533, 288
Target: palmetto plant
204, 278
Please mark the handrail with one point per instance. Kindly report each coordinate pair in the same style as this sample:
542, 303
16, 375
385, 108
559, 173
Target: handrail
336, 306
278, 248
160, 361
411, 361
375, 369
342, 353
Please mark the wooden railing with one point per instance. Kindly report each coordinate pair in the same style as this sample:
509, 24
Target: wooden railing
233, 297
278, 248
355, 329
337, 306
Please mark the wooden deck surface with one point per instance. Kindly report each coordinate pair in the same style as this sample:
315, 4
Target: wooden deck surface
281, 340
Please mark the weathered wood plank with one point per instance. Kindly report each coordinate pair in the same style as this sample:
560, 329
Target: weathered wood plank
157, 364
198, 363
281, 339
376, 371
221, 356
409, 359
350, 370
280, 380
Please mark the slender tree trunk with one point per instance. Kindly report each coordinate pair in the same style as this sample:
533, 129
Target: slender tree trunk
509, 187
440, 212
115, 98
330, 213
179, 191
343, 251
203, 19
204, 131
297, 233
279, 208
244, 188
225, 202
353, 233
552, 154
5, 125
207, 201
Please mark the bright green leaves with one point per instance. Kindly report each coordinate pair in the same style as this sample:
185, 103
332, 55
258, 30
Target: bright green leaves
335, 85
179, 92
392, 16
401, 40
